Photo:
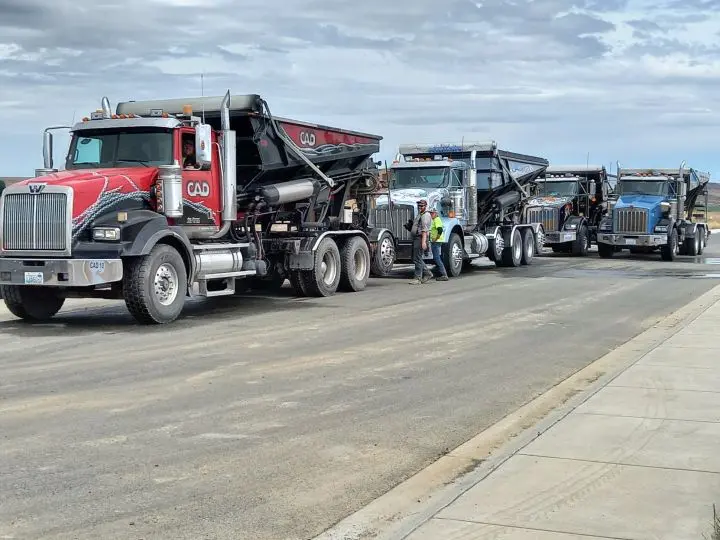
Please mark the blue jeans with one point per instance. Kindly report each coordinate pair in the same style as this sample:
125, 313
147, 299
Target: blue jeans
420, 266
437, 258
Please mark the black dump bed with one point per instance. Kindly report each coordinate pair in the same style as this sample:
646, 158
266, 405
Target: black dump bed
263, 156
500, 174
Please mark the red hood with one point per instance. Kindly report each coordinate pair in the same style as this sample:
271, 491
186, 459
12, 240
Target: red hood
90, 184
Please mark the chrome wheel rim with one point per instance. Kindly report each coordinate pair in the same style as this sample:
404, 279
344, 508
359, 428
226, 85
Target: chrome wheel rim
387, 252
499, 246
166, 284
361, 265
328, 268
456, 254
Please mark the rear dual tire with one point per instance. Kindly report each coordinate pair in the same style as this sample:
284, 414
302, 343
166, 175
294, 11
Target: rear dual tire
693, 245
347, 269
519, 248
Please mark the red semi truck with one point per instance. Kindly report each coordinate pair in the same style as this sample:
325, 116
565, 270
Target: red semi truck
260, 200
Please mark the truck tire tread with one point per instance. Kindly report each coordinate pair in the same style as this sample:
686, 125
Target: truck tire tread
139, 299
31, 305
692, 244
606, 251
508, 254
529, 246
667, 252
579, 248
349, 281
313, 279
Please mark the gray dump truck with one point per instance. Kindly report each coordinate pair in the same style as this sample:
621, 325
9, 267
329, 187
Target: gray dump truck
479, 191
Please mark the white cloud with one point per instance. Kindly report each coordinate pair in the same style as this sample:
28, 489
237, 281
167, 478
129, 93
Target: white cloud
556, 78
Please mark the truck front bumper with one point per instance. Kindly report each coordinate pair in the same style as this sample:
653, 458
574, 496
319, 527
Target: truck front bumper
559, 237
60, 272
642, 240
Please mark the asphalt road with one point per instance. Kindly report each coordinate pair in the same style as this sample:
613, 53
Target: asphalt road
271, 417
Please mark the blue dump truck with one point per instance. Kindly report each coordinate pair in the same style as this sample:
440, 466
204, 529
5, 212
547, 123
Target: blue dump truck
657, 210
569, 200
478, 190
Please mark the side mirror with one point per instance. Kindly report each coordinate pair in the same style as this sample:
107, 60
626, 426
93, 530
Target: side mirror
203, 145
592, 188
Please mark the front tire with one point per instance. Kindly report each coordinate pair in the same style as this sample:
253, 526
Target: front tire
606, 251
324, 279
155, 285
384, 256
32, 304
355, 258
452, 255
669, 251
579, 247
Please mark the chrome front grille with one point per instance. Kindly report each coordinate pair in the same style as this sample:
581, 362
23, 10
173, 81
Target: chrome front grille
35, 222
401, 214
549, 217
631, 220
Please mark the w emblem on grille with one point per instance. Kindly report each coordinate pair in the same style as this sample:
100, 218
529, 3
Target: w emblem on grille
36, 188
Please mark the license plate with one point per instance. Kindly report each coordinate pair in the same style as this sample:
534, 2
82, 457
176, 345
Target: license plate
630, 241
34, 278
568, 236
97, 266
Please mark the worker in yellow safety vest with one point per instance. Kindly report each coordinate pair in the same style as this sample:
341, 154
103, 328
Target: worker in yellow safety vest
436, 232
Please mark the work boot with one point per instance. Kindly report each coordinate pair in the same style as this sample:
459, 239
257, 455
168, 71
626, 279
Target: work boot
426, 278
415, 281
441, 278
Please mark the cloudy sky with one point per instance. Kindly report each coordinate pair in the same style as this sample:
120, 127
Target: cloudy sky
628, 80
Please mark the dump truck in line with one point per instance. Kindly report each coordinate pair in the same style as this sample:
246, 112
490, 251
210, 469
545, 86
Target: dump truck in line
570, 201
657, 210
126, 220
479, 191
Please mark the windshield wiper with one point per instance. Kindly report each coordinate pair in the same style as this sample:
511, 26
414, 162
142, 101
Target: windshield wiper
144, 163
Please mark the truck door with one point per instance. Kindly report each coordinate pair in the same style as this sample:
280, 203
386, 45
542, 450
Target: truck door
202, 191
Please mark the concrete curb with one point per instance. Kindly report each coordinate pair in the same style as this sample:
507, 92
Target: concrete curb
397, 513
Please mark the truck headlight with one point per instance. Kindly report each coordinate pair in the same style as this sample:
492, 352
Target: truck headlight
661, 228
107, 234
606, 226
571, 226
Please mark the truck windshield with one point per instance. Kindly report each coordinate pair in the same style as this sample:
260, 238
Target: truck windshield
558, 189
425, 177
120, 148
643, 187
